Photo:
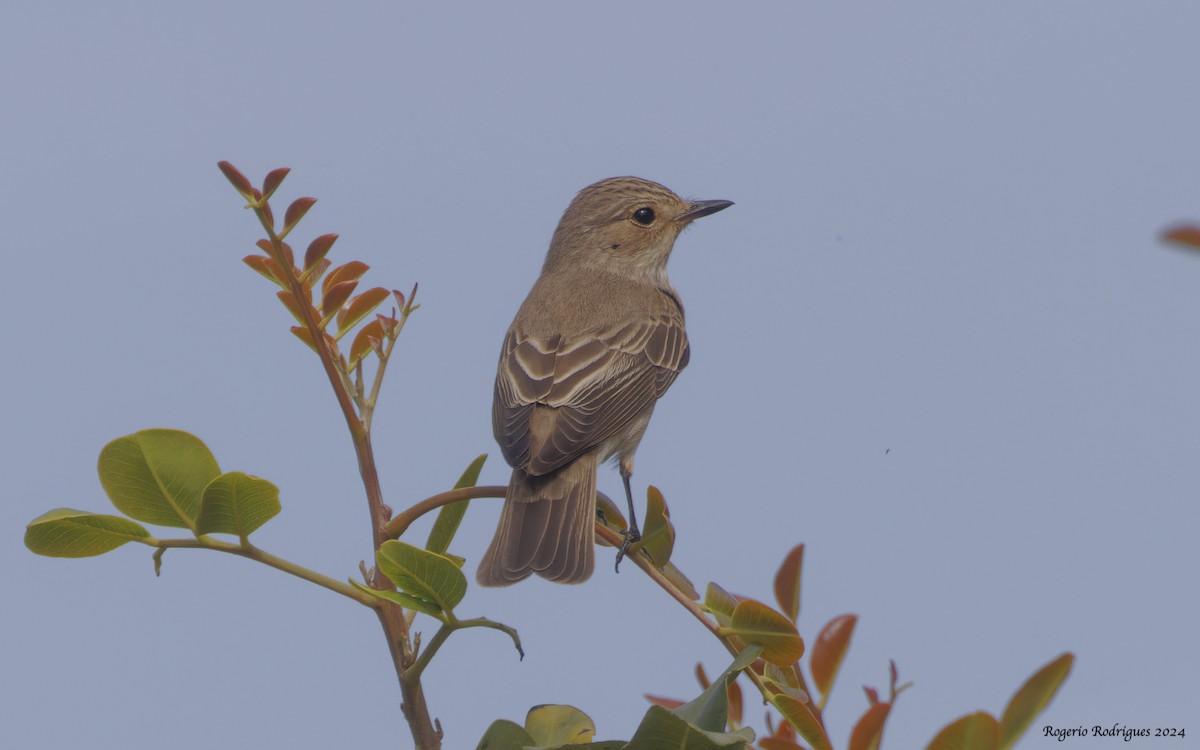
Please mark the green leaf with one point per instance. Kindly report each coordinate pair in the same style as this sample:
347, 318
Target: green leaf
787, 582
755, 622
709, 711
504, 735
720, 603
552, 724
158, 476
661, 728
450, 516
1032, 699
408, 601
977, 731
426, 575
73, 533
800, 716
658, 535
828, 651
237, 503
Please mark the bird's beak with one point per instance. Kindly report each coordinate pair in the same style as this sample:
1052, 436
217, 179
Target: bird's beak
696, 209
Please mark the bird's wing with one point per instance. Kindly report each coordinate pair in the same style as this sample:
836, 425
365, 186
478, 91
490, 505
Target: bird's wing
557, 398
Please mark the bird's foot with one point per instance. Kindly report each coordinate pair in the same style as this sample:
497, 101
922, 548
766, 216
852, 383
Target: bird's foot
631, 536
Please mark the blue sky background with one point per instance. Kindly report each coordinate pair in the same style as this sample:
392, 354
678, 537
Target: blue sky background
937, 340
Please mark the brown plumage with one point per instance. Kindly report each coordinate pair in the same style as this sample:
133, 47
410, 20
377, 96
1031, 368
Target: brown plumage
596, 343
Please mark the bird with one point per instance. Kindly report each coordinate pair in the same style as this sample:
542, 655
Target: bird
598, 340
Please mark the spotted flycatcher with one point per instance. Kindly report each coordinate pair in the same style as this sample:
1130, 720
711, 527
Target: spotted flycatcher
596, 343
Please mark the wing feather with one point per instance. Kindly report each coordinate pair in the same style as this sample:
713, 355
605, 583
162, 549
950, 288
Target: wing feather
557, 398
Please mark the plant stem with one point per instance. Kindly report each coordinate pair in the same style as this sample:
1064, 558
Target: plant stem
400, 523
251, 552
396, 527
391, 617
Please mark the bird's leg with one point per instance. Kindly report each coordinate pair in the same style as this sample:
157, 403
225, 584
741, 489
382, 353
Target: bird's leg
631, 534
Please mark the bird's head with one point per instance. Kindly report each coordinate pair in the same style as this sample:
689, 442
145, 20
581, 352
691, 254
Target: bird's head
625, 225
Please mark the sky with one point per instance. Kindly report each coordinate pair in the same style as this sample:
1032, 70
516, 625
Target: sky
937, 340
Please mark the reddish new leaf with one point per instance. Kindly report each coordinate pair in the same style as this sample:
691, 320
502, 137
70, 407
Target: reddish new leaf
360, 307
265, 266
292, 306
336, 296
272, 181
702, 677
1185, 234
787, 582
829, 650
364, 342
266, 208
296, 211
872, 695
399, 299
302, 333
668, 703
318, 249
314, 274
977, 731
351, 271
868, 732
236, 178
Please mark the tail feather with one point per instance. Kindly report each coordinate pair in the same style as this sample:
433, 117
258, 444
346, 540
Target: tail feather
546, 527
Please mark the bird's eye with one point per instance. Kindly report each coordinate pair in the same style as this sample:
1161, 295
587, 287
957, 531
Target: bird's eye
644, 216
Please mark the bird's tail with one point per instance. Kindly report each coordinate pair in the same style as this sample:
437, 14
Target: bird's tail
546, 527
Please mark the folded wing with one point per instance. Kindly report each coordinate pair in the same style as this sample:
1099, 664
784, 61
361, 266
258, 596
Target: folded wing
558, 398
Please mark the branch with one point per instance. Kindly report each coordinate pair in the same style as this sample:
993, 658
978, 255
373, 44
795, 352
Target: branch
250, 552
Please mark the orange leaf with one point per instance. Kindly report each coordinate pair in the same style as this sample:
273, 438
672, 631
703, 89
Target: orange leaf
1184, 234
399, 299
701, 677
869, 730
829, 650
289, 302
977, 731
802, 718
273, 179
314, 273
296, 211
236, 178
1032, 698
264, 266
787, 582
668, 703
336, 296
362, 345
360, 307
266, 209
346, 272
302, 333
318, 249
286, 249
755, 622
